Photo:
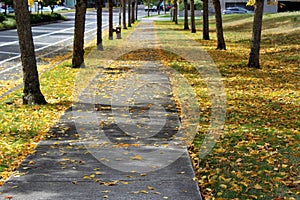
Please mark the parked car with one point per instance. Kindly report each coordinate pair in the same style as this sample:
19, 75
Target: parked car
59, 8
153, 8
46, 9
10, 10
236, 10
168, 7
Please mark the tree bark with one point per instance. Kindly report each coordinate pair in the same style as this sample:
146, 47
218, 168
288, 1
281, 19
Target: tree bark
175, 12
110, 20
124, 14
148, 11
120, 14
186, 15
219, 27
205, 20
78, 43
136, 9
31, 92
132, 12
256, 35
158, 7
193, 25
129, 13
99, 25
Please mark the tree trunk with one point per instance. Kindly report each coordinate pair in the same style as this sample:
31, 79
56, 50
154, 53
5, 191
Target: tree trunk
124, 14
120, 15
186, 15
78, 43
205, 20
99, 25
256, 35
31, 92
219, 26
132, 12
158, 7
175, 12
193, 25
110, 20
129, 13
136, 9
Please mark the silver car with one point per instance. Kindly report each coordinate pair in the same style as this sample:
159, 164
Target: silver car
236, 10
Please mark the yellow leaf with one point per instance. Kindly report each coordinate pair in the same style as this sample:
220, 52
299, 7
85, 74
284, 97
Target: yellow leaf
86, 177
150, 188
92, 175
31, 162
258, 187
136, 157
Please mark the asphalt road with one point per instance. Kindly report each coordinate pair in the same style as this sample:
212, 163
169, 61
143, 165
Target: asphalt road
49, 40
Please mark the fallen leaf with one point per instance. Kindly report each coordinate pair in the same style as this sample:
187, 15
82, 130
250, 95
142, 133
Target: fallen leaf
136, 157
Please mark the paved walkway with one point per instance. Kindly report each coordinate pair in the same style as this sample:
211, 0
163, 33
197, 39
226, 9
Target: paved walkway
120, 140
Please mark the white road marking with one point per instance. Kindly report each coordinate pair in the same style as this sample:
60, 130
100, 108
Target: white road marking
6, 52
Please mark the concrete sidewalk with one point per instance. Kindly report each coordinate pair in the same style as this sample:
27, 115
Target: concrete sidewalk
120, 140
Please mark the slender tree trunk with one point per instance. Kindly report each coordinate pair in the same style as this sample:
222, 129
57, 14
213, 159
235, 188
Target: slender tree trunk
186, 15
175, 12
148, 8
193, 25
124, 14
158, 7
99, 25
132, 13
205, 20
110, 19
78, 43
31, 92
136, 9
120, 14
256, 35
219, 26
129, 13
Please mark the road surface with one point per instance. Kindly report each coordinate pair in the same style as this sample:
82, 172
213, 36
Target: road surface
50, 40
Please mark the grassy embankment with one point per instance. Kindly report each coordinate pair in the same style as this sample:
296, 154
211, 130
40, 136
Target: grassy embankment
257, 156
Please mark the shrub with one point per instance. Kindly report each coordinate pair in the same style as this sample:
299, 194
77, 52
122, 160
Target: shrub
40, 18
2, 17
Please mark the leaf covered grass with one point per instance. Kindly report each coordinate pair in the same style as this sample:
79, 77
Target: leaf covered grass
257, 156
23, 126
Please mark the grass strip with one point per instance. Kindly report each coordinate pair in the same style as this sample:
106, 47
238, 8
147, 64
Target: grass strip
257, 157
23, 126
